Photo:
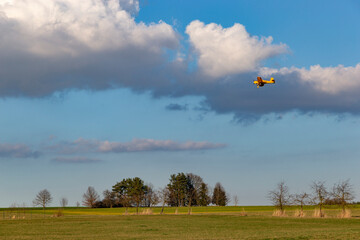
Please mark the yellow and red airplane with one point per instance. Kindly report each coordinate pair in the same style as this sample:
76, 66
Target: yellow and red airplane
260, 82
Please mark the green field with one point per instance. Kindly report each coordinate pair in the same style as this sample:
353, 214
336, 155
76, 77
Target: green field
203, 223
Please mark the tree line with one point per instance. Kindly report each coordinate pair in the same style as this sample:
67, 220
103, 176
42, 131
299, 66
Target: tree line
341, 194
187, 190
183, 190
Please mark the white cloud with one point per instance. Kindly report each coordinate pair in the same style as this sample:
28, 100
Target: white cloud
48, 27
55, 45
332, 80
137, 145
227, 51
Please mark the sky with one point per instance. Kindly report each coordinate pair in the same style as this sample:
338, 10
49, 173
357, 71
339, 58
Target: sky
98, 91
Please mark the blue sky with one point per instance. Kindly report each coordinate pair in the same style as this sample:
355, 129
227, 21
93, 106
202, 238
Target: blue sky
89, 104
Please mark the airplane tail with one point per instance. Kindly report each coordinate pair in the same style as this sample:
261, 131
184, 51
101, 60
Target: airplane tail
272, 80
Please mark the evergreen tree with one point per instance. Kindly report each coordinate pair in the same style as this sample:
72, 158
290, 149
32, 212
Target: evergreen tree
178, 190
130, 192
219, 197
203, 196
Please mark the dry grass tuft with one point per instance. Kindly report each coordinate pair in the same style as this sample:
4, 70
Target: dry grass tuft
243, 213
146, 211
279, 213
319, 214
299, 213
59, 213
190, 211
346, 214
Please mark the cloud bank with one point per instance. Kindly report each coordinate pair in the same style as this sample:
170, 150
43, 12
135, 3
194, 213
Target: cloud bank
75, 160
17, 151
53, 46
331, 80
137, 145
92, 146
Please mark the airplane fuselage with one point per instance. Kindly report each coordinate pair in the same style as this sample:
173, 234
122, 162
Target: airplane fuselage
260, 82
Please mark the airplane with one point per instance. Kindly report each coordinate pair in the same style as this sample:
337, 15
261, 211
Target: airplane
260, 82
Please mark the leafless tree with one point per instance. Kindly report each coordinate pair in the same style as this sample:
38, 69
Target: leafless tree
191, 196
343, 193
109, 198
63, 202
195, 181
151, 196
43, 198
280, 197
236, 200
163, 196
90, 197
154, 198
301, 200
319, 195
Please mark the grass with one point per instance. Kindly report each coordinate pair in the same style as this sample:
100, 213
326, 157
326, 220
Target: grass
204, 223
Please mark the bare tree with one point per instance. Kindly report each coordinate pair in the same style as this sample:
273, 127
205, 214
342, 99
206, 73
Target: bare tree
319, 195
195, 181
151, 196
236, 200
163, 195
280, 197
63, 202
90, 197
301, 200
43, 198
343, 193
109, 198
